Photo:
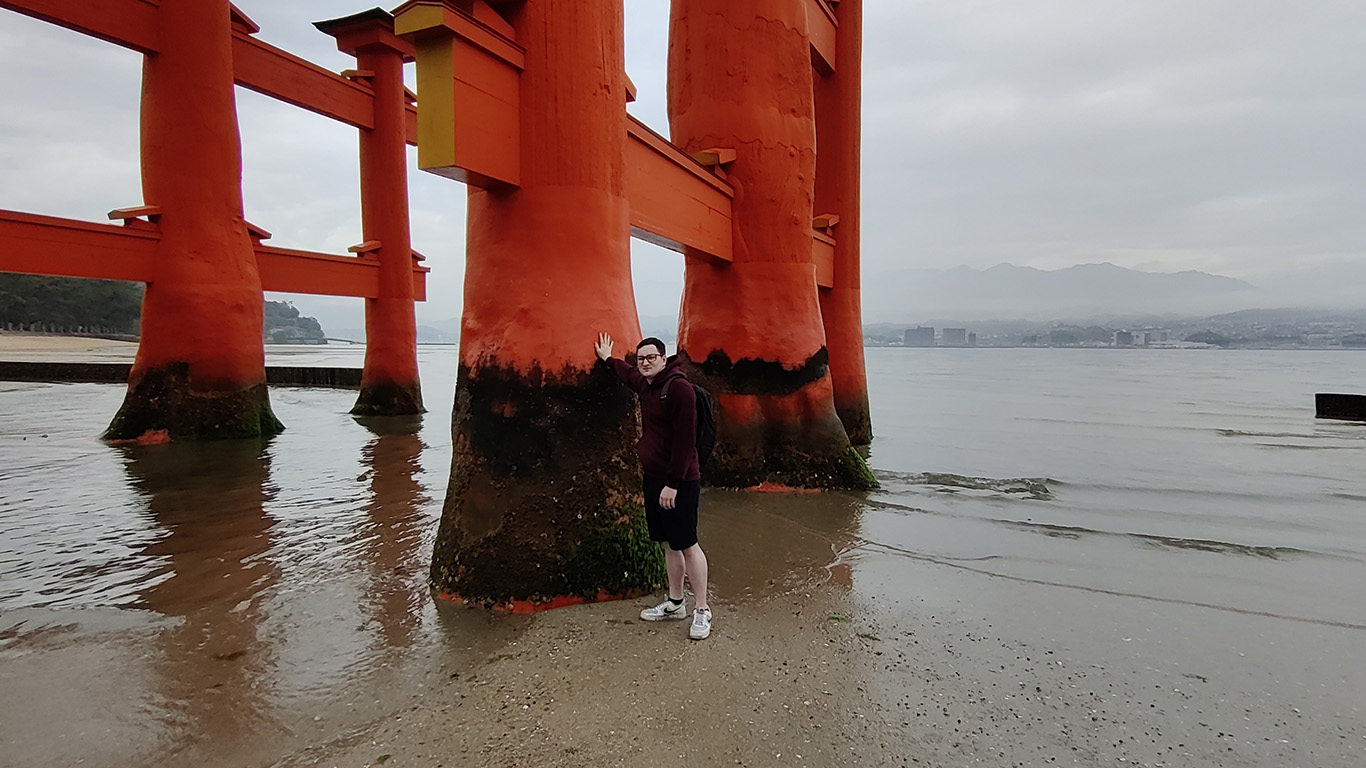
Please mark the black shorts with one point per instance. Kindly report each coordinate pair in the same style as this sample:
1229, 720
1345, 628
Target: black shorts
677, 526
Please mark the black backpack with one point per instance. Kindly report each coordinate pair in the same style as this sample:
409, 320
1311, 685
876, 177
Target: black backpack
706, 425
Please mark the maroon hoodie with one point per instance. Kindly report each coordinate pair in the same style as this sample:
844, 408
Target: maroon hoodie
668, 422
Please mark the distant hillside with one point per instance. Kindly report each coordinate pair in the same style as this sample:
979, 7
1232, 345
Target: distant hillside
68, 304
284, 325
1085, 290
77, 305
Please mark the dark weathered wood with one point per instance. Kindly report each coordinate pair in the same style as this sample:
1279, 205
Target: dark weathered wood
117, 373
1338, 406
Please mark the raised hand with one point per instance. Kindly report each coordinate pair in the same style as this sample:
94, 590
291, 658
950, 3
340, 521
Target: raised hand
604, 346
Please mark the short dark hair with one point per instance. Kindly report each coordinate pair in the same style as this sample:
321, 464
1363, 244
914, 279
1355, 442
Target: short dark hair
651, 341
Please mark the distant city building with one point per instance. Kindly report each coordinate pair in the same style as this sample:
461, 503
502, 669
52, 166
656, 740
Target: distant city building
919, 337
1124, 339
956, 337
972, 339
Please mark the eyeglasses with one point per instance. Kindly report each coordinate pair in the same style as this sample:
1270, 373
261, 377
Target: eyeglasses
644, 359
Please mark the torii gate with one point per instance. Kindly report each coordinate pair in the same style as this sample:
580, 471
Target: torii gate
200, 367
524, 100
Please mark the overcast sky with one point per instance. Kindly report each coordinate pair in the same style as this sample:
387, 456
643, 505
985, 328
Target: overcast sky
1219, 135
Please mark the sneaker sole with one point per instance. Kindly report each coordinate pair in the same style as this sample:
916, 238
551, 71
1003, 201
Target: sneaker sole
700, 637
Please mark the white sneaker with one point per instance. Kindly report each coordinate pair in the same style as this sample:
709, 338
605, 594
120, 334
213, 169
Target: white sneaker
665, 611
701, 624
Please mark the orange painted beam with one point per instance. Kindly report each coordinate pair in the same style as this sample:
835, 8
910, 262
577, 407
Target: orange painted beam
822, 29
292, 271
129, 23
256, 65
676, 202
47, 245
823, 254
468, 73
281, 75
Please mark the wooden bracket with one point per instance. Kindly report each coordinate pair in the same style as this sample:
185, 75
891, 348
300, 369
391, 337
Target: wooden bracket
137, 217
257, 234
366, 248
825, 222
714, 157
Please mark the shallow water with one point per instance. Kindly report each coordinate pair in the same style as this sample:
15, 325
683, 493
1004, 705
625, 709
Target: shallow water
1145, 509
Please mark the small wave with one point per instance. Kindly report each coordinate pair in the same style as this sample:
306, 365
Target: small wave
1169, 542
1294, 447
1253, 433
1029, 487
1348, 496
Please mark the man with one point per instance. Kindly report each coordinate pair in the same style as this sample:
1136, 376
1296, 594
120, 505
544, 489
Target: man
673, 482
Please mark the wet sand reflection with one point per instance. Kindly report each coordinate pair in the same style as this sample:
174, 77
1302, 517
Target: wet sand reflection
212, 668
392, 552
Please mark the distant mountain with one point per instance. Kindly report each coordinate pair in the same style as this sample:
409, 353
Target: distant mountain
1084, 290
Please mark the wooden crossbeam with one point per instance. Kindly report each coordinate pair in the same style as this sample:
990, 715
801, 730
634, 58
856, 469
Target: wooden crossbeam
129, 23
257, 65
47, 245
676, 202
823, 253
821, 29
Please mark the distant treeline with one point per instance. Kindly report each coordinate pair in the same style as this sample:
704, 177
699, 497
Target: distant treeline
41, 304
68, 304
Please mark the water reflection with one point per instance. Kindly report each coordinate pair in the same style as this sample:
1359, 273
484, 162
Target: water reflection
393, 547
212, 666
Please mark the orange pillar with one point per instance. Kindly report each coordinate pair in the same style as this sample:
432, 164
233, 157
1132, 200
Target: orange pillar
740, 77
838, 108
543, 505
200, 367
389, 381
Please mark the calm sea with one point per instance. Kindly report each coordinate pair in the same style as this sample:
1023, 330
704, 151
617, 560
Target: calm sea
1177, 510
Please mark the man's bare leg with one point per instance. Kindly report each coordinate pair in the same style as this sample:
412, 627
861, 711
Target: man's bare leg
694, 563
676, 567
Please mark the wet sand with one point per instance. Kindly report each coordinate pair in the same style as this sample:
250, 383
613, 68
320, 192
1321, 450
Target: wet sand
37, 347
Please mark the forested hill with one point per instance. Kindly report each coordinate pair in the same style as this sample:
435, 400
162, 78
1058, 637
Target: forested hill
41, 304
69, 305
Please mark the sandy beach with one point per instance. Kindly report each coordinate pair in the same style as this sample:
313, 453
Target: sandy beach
38, 347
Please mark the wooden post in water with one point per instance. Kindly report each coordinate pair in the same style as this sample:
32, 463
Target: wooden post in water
740, 78
543, 506
200, 367
389, 384
838, 154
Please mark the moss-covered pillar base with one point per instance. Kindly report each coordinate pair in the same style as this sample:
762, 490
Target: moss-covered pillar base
775, 426
164, 404
388, 399
543, 507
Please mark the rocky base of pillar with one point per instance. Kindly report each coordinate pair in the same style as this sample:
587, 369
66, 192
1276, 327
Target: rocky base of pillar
389, 399
163, 402
789, 464
776, 426
543, 507
858, 424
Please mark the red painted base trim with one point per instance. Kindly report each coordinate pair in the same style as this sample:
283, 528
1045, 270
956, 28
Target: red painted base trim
528, 606
767, 487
